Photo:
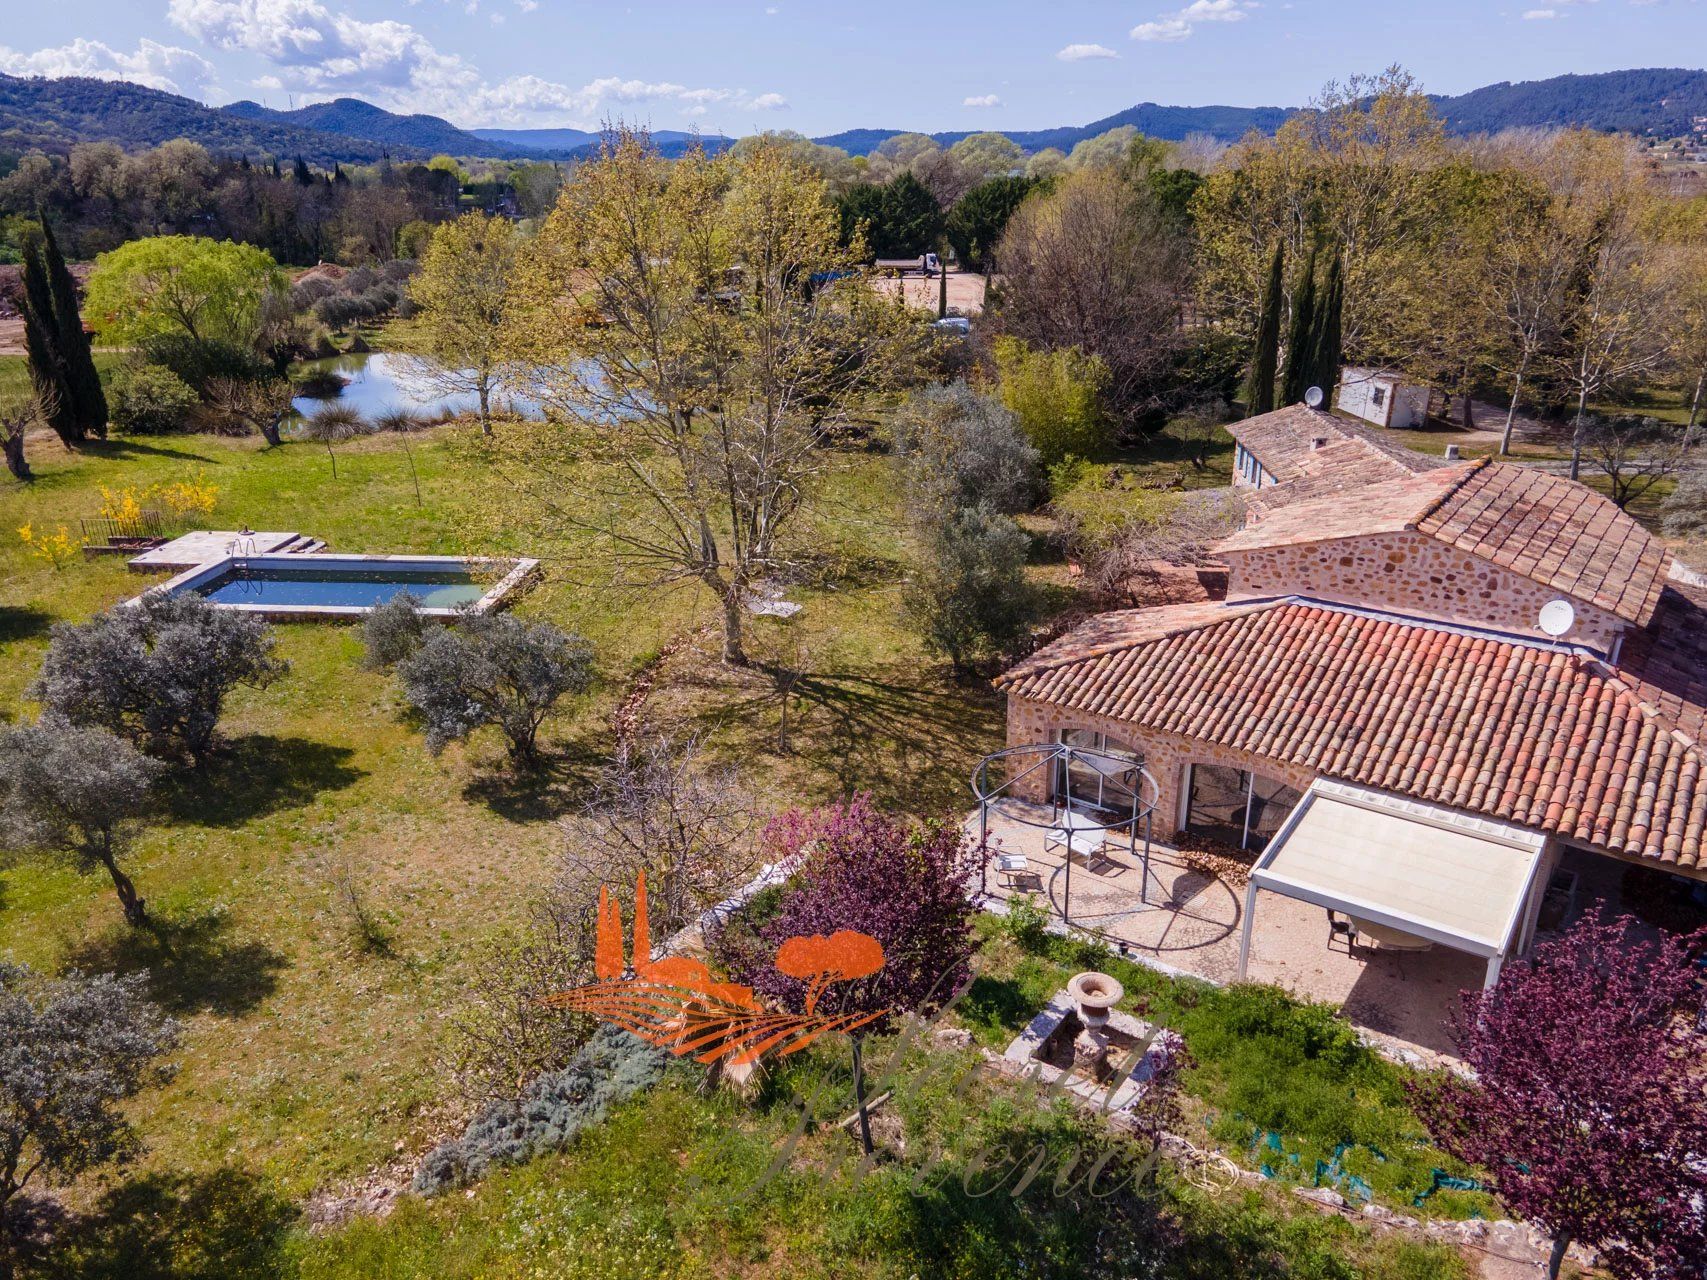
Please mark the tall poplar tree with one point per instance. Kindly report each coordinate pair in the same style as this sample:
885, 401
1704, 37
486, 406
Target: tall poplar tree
1265, 357
62, 368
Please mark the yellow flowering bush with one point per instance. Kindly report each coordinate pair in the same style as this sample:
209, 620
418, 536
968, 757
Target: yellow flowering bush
187, 498
179, 499
57, 548
119, 504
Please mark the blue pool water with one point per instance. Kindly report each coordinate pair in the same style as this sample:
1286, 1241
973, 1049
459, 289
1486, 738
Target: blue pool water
350, 587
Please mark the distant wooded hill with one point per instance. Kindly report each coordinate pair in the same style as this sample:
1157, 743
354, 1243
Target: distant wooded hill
354, 118
54, 114
581, 142
1663, 101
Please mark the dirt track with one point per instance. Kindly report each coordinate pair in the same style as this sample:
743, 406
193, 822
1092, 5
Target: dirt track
965, 291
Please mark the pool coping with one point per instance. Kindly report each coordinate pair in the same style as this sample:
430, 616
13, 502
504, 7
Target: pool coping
524, 568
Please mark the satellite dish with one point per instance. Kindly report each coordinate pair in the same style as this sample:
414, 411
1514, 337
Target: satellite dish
1558, 617
1313, 397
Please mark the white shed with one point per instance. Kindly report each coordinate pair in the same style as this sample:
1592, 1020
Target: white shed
1382, 398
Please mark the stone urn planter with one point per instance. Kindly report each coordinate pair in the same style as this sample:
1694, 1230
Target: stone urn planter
1094, 994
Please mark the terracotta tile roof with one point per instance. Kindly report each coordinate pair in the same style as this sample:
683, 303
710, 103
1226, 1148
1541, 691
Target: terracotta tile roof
1667, 659
1555, 531
1548, 529
1349, 464
1283, 441
1393, 506
1545, 738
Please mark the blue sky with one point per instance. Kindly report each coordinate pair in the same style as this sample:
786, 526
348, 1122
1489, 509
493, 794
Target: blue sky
819, 67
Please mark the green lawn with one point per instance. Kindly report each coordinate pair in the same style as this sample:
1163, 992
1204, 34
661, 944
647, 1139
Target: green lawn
306, 1061
15, 372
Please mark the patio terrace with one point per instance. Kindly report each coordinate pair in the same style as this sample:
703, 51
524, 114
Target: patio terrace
1189, 921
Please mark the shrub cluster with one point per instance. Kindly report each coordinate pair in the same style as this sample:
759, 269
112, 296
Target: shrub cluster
156, 672
149, 399
366, 293
610, 1068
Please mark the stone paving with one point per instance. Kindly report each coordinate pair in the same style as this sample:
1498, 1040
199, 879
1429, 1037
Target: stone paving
1184, 920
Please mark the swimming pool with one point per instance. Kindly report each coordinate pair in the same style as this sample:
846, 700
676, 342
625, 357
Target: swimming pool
347, 586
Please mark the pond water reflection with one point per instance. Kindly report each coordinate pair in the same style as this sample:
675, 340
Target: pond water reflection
379, 382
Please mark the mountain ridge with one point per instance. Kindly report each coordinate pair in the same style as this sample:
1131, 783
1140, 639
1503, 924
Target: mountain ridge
55, 114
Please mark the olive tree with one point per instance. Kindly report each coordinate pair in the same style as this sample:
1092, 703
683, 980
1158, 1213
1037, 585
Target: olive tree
156, 672
76, 792
493, 670
393, 631
72, 1050
959, 449
969, 596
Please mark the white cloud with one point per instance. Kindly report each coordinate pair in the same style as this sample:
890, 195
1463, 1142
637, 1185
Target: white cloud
158, 66
984, 100
1539, 15
1178, 26
769, 102
321, 51
1082, 52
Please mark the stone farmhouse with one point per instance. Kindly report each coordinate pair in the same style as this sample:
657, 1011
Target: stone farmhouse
1376, 712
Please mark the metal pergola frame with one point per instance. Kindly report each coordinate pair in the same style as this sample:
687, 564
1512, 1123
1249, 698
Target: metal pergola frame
1146, 794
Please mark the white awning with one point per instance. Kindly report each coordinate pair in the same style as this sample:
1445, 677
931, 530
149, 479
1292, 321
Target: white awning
1461, 881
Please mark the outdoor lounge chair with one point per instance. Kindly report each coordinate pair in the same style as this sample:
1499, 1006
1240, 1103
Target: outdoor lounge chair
1014, 868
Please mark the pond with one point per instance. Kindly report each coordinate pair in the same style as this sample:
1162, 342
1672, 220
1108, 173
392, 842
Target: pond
379, 382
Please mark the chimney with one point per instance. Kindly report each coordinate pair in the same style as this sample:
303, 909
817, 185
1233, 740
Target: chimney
1452, 453
1318, 442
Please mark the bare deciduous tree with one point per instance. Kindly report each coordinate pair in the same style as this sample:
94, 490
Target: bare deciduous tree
260, 405
1634, 454
691, 826
1095, 266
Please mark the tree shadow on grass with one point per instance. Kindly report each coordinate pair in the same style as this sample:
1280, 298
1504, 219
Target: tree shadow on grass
192, 964
257, 774
998, 1002
543, 791
23, 622
227, 1224
910, 744
128, 446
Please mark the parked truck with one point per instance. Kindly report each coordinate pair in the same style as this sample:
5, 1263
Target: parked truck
926, 264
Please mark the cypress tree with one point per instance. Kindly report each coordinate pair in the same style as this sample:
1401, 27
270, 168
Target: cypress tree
303, 175
1265, 357
62, 368
1300, 339
1326, 361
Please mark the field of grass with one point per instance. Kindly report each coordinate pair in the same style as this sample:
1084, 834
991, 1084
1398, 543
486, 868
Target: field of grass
676, 1185
306, 1061
15, 372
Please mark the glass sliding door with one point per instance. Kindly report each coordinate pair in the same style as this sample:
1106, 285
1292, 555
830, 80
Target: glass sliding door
1237, 807
1102, 776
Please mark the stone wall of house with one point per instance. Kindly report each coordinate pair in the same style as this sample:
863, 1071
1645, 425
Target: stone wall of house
1412, 574
1166, 756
